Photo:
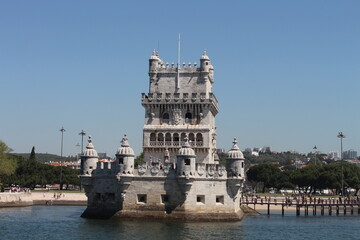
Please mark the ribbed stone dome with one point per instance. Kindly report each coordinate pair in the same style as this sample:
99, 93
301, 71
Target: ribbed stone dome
235, 152
155, 55
186, 149
89, 151
125, 148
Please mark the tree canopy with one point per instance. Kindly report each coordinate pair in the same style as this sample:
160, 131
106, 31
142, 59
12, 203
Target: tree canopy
308, 179
7, 162
15, 169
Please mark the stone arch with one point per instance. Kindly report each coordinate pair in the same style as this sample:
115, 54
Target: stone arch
176, 139
160, 139
168, 139
183, 136
199, 139
152, 139
192, 138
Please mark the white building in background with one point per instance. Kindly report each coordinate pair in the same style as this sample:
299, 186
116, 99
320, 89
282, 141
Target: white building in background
333, 155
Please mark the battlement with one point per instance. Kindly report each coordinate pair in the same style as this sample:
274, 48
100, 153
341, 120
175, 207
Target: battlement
190, 67
179, 97
102, 167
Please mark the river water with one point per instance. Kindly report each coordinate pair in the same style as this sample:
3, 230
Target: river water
63, 222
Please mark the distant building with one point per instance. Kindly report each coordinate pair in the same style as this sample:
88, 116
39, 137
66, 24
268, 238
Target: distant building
350, 154
220, 151
253, 152
298, 163
354, 161
333, 155
293, 152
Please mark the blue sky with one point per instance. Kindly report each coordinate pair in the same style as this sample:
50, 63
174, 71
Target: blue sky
286, 72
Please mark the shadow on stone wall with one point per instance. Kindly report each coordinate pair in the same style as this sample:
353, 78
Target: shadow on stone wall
175, 196
104, 206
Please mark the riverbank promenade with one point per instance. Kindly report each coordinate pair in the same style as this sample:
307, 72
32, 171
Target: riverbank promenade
20, 199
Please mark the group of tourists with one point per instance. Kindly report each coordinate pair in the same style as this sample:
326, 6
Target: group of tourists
17, 188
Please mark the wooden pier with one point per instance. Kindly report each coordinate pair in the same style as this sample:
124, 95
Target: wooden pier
313, 205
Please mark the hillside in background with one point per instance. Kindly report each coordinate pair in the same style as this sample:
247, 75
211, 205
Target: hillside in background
47, 157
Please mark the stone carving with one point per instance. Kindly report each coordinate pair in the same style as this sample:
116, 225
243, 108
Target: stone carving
166, 168
142, 168
221, 170
211, 168
201, 168
177, 116
155, 170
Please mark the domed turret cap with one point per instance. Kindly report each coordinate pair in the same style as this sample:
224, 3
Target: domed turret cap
125, 148
204, 56
235, 152
89, 151
155, 56
186, 149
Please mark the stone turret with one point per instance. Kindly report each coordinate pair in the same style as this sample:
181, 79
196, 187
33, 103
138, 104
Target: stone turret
89, 159
235, 169
205, 63
125, 157
235, 162
154, 64
186, 160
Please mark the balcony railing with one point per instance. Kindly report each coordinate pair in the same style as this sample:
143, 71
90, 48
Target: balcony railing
175, 143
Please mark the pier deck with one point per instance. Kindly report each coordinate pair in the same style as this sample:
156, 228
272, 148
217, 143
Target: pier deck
306, 205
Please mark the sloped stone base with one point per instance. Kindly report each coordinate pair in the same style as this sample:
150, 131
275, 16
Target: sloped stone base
181, 216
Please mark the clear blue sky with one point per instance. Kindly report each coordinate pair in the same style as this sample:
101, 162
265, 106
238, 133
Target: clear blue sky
286, 72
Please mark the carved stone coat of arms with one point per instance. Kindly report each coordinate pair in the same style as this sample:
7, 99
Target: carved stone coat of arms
177, 116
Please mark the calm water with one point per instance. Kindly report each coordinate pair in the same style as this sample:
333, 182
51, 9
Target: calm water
58, 222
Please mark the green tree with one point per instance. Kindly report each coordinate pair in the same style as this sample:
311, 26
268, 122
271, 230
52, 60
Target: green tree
139, 159
264, 173
7, 163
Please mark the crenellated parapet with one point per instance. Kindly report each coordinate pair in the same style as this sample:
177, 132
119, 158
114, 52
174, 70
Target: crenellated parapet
105, 168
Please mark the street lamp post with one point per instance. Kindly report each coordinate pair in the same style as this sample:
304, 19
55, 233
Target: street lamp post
315, 153
82, 133
62, 130
341, 136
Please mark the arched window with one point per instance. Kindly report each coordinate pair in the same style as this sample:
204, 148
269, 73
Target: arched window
168, 139
191, 139
176, 139
152, 139
166, 118
188, 117
183, 136
160, 139
199, 139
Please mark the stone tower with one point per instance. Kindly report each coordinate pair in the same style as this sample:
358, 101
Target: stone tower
180, 104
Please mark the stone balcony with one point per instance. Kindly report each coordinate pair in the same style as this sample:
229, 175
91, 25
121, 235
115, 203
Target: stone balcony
162, 143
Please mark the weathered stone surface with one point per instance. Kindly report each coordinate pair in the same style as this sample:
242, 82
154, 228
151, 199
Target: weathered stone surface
15, 199
180, 178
